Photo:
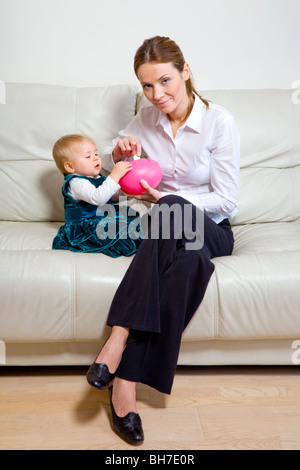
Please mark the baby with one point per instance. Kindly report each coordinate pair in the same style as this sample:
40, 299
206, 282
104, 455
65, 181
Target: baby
84, 190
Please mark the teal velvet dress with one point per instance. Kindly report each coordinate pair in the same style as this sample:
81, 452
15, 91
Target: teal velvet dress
89, 229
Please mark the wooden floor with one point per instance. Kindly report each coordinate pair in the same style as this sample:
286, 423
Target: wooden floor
210, 408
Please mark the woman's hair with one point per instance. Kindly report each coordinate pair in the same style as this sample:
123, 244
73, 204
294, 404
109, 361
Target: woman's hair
162, 49
62, 148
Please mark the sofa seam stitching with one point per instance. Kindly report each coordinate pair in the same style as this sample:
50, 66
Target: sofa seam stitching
216, 321
73, 299
293, 157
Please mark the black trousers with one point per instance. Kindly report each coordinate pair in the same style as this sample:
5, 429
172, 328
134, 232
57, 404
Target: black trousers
161, 290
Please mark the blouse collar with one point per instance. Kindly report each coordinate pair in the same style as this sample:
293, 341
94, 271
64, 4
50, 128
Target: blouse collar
194, 121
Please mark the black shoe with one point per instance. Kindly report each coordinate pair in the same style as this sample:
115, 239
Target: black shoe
98, 376
129, 427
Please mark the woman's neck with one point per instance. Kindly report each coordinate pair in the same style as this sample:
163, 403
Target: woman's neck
179, 116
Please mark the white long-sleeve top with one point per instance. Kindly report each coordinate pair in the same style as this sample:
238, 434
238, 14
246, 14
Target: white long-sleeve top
81, 189
201, 163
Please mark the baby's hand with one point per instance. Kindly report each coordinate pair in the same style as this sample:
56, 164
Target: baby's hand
120, 169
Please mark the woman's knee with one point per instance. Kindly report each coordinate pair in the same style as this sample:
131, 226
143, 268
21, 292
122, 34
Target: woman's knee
171, 199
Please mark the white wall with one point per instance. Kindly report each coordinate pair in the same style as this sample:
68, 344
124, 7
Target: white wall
228, 43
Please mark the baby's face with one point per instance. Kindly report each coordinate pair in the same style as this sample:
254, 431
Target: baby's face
84, 159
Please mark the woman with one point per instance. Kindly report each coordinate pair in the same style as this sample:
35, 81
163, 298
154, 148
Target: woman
197, 146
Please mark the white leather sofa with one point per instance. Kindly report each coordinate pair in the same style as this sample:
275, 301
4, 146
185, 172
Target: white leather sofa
54, 304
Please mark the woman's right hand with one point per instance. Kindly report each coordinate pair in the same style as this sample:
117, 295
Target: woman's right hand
126, 148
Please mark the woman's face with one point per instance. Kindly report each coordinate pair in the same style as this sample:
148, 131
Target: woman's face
165, 87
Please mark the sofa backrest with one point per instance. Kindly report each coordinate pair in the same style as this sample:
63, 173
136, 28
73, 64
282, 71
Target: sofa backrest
31, 121
269, 125
35, 116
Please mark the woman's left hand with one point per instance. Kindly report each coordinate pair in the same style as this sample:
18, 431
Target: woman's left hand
151, 194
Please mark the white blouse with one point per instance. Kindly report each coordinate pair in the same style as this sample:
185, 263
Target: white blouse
201, 163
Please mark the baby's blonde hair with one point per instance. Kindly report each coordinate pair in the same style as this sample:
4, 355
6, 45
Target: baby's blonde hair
62, 148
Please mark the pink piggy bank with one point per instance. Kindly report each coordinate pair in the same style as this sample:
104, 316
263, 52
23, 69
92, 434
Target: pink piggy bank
142, 169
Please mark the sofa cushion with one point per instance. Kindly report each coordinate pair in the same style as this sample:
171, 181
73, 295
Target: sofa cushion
31, 190
22, 236
32, 119
256, 290
268, 122
65, 296
259, 296
56, 295
266, 238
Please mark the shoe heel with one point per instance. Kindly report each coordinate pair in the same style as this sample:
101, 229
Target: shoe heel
129, 427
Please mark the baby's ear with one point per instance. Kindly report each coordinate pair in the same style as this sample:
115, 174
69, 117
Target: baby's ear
68, 167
